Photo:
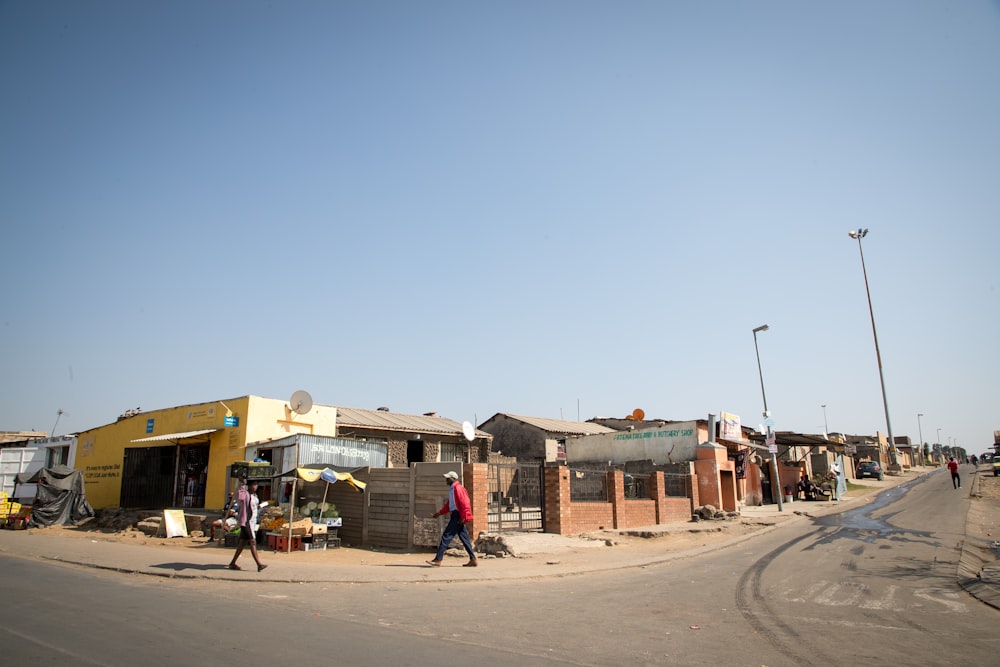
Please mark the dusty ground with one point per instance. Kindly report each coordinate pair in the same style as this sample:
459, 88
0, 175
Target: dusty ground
989, 487
674, 537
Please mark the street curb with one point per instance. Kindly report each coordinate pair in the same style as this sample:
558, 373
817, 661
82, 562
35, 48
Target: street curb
974, 557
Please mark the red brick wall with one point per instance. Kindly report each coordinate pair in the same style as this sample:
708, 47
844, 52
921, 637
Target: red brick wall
637, 512
557, 503
568, 518
616, 494
589, 516
676, 510
475, 478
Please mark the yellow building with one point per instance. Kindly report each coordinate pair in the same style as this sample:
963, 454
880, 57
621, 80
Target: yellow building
180, 456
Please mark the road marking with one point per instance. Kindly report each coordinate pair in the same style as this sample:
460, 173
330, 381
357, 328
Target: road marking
859, 594
847, 624
949, 600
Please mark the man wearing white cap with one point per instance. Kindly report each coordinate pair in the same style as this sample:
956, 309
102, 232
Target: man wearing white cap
460, 508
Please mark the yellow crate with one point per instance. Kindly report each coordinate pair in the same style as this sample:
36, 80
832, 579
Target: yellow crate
9, 509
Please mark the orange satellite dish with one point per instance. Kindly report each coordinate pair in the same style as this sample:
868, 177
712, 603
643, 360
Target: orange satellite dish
638, 414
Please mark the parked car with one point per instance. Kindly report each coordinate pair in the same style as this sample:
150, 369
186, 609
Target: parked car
870, 469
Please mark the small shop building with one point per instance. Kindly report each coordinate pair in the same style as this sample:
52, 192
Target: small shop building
182, 457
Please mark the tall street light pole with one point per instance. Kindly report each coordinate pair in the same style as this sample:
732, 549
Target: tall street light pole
860, 234
826, 428
920, 431
775, 481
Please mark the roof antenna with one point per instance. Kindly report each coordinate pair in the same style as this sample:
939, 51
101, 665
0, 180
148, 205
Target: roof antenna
59, 413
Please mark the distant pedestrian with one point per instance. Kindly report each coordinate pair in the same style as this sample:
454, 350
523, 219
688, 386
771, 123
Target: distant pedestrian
247, 505
956, 481
460, 509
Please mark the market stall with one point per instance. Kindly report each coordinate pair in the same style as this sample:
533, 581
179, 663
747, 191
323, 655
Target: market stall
302, 517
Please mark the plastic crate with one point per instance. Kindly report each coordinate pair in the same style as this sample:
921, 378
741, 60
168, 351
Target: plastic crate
315, 542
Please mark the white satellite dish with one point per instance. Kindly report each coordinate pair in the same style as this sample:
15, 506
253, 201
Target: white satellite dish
300, 402
468, 431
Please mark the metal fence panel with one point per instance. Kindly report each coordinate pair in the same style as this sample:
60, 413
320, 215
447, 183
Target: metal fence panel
588, 485
676, 485
516, 497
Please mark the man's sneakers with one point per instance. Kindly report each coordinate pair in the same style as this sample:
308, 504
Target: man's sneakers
435, 563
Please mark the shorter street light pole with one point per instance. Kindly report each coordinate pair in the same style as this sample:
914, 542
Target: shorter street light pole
767, 418
920, 431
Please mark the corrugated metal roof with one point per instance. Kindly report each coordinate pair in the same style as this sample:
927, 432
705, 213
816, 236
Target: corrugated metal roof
176, 436
395, 421
560, 426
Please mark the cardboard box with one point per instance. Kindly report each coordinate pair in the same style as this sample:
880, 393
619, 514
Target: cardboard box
300, 527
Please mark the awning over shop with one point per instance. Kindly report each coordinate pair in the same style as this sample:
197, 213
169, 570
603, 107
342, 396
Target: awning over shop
176, 436
330, 476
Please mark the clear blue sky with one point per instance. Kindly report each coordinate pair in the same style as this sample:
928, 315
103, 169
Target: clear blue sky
543, 208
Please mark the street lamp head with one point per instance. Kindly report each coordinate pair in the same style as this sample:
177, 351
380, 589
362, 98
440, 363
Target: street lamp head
762, 327
857, 233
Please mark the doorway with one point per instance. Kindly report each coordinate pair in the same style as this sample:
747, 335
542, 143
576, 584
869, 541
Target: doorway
192, 472
414, 452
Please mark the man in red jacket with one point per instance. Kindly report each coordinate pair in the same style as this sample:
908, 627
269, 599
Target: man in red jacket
956, 481
460, 508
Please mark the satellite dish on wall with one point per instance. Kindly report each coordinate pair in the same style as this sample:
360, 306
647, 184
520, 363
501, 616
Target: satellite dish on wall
300, 402
468, 431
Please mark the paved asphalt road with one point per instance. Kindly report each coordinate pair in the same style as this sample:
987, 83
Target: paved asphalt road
874, 585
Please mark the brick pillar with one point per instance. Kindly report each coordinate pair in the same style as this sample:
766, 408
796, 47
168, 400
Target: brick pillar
475, 478
616, 495
657, 491
557, 499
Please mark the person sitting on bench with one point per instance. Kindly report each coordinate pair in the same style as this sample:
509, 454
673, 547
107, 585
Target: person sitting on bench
807, 488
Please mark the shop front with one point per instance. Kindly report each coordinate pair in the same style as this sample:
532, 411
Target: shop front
174, 474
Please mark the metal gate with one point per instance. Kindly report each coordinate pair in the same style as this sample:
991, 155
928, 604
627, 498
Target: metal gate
148, 478
516, 498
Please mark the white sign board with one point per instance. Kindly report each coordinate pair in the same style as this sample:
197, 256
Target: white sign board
670, 443
175, 523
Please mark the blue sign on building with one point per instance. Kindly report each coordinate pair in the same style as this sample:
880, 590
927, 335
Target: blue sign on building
231, 421
149, 425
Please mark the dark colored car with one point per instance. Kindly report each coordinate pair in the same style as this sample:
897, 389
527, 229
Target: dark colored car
870, 469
